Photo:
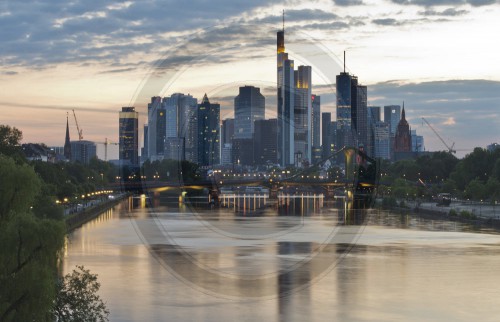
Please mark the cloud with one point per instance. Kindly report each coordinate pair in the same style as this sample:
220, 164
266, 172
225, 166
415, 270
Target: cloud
469, 108
449, 121
387, 22
450, 12
346, 3
430, 3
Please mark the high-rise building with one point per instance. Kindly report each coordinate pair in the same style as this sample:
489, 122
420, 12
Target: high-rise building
249, 106
382, 140
265, 142
144, 149
156, 129
227, 131
227, 154
243, 150
83, 151
182, 122
417, 142
129, 136
402, 140
326, 119
67, 142
286, 103
344, 113
373, 116
208, 133
359, 114
316, 120
392, 115
303, 113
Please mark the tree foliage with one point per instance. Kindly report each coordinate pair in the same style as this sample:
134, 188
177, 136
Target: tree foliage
77, 298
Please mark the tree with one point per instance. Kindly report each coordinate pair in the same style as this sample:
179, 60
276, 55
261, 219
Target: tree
28, 247
10, 140
77, 298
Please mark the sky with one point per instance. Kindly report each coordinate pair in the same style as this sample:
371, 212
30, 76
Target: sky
438, 57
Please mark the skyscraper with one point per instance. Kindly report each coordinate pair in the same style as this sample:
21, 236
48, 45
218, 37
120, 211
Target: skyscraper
326, 119
227, 131
382, 140
67, 142
265, 142
182, 123
344, 114
359, 114
316, 120
156, 129
83, 151
373, 116
303, 113
129, 135
208, 133
249, 106
392, 115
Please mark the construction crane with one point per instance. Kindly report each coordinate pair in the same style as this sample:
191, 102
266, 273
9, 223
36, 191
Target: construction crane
80, 132
450, 149
106, 143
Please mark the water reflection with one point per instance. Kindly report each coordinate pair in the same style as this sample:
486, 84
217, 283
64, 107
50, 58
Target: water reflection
399, 268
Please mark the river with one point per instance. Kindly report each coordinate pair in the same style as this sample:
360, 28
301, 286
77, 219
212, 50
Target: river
306, 262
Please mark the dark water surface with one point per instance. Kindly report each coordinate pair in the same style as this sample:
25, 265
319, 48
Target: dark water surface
302, 263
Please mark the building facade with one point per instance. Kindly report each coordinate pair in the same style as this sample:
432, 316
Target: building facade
128, 136
208, 133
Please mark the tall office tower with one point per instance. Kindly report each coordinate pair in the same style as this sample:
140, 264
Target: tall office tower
129, 136
286, 103
382, 140
359, 114
344, 114
144, 149
373, 116
392, 115
208, 133
249, 106
402, 140
67, 142
417, 142
182, 123
83, 151
227, 154
303, 115
227, 131
326, 120
156, 129
316, 120
242, 150
265, 140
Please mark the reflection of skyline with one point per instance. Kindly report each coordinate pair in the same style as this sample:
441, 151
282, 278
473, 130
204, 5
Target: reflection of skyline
391, 273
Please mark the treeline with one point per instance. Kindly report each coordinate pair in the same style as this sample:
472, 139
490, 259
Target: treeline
32, 233
475, 177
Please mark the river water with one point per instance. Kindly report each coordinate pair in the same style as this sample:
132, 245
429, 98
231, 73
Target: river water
307, 261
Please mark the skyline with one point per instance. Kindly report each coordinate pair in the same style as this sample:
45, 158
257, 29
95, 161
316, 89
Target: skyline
98, 74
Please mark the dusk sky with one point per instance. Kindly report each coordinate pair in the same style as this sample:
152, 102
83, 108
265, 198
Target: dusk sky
439, 57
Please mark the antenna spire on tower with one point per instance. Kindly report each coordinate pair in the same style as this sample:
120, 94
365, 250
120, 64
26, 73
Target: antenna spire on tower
344, 61
283, 20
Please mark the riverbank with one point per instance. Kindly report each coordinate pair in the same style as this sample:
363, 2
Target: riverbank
84, 215
457, 211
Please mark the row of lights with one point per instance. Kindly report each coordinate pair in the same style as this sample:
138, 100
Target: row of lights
91, 194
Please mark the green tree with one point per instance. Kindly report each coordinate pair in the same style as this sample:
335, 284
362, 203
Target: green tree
77, 298
28, 247
10, 140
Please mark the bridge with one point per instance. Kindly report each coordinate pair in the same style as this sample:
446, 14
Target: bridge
359, 183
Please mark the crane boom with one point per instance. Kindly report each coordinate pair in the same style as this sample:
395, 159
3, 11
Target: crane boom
450, 149
80, 132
